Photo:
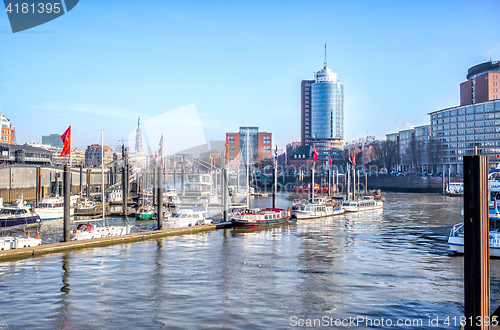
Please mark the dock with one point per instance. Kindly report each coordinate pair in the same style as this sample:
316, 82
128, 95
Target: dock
37, 251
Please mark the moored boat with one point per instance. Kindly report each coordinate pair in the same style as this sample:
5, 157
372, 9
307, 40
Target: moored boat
51, 208
97, 230
18, 215
366, 203
317, 208
188, 216
456, 240
260, 217
144, 213
21, 241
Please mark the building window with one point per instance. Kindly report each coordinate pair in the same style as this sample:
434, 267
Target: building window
267, 139
230, 139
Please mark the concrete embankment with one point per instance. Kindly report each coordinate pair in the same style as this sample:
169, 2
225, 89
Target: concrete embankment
73, 245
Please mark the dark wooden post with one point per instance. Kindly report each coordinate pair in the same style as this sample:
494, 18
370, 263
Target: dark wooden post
159, 215
476, 242
67, 201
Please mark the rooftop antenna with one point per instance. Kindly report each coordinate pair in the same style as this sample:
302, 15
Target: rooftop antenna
326, 62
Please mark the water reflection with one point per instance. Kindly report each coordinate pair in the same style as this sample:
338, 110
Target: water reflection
64, 315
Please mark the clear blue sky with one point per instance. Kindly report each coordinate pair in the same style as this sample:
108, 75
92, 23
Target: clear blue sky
240, 62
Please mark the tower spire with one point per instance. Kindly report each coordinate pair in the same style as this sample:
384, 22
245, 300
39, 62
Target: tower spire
326, 62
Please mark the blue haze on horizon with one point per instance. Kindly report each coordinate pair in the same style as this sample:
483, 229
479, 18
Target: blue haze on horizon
241, 63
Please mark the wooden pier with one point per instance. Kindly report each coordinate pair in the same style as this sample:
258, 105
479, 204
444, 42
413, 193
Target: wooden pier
37, 251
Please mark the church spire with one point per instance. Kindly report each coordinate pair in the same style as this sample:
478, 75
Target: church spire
138, 136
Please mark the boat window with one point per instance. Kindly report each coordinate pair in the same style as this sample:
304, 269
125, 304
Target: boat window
195, 215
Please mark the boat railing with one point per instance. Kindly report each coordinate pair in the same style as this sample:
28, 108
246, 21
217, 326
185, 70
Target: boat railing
457, 230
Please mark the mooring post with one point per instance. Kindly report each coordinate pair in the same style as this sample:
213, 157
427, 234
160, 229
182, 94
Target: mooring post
155, 184
312, 183
38, 185
67, 201
89, 175
183, 186
175, 183
366, 183
159, 216
442, 181
476, 242
329, 183
275, 186
81, 181
124, 191
225, 195
449, 177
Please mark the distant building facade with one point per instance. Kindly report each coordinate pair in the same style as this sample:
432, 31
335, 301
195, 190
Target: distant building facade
24, 154
322, 114
258, 148
412, 147
461, 129
53, 140
7, 133
93, 156
482, 83
138, 137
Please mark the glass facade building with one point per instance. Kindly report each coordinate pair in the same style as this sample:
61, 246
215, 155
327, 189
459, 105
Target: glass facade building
53, 140
327, 115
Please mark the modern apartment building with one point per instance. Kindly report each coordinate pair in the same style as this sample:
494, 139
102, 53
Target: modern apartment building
258, 148
93, 156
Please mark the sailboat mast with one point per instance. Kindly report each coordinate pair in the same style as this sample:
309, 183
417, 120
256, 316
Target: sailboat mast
248, 170
102, 176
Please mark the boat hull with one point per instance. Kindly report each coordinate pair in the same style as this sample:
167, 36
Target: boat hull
9, 243
144, 216
238, 223
21, 221
99, 232
52, 213
314, 215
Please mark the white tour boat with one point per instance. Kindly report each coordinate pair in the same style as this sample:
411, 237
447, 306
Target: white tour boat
188, 216
317, 208
51, 208
19, 215
456, 240
366, 203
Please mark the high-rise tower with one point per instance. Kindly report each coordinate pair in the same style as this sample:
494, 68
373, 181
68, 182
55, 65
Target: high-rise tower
138, 137
322, 112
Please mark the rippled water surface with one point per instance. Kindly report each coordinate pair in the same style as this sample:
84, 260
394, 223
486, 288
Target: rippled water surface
389, 264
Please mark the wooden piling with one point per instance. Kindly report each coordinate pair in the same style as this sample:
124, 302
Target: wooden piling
476, 242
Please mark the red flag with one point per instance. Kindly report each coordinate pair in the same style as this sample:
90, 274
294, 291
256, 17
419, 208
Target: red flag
213, 161
315, 156
227, 151
354, 159
329, 160
156, 155
197, 162
498, 156
66, 138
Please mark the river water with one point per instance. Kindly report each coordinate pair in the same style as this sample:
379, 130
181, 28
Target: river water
384, 268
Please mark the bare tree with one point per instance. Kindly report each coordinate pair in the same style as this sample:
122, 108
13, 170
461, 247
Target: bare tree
414, 152
388, 152
435, 153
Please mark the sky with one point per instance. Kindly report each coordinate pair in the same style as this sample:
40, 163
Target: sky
240, 63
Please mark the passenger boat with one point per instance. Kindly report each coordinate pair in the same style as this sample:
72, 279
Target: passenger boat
260, 217
95, 229
456, 240
20, 241
51, 208
317, 208
188, 216
366, 203
18, 215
